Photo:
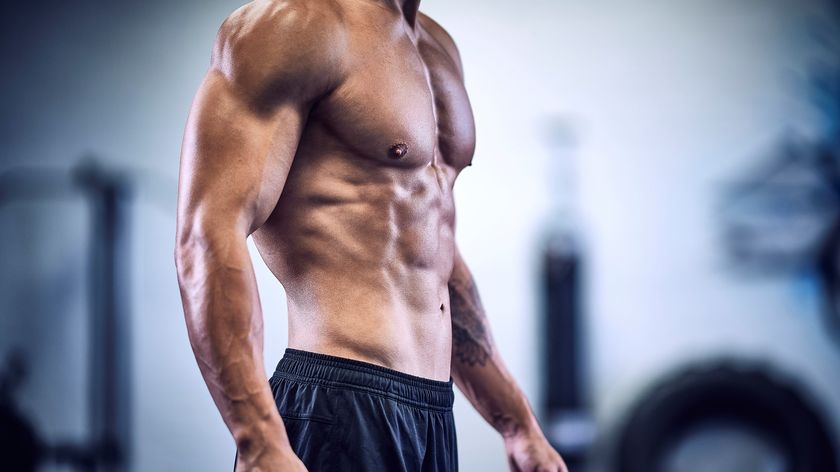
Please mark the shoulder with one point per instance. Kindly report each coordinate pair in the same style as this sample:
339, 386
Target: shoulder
294, 44
442, 37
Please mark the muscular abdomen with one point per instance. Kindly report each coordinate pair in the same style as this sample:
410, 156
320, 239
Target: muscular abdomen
364, 251
362, 237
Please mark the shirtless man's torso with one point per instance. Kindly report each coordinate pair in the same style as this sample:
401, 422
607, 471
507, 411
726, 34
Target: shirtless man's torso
332, 131
362, 237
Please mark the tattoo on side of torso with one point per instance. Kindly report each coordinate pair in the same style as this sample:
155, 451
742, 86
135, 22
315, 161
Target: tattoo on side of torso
471, 342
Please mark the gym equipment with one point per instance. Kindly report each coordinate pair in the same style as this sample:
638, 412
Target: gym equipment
108, 449
725, 417
569, 424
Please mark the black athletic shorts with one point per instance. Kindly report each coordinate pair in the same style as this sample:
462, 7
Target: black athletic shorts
347, 415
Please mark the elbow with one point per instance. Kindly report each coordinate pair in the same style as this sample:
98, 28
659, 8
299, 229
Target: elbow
181, 257
203, 242
187, 237
186, 240
193, 243
185, 257
194, 258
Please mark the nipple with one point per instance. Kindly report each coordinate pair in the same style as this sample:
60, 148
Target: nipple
398, 150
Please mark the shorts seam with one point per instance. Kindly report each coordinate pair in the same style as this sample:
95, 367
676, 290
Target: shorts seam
305, 417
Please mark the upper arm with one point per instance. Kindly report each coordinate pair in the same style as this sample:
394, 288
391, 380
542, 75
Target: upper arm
445, 40
460, 270
271, 62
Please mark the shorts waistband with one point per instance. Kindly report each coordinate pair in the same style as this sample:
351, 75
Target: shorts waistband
341, 372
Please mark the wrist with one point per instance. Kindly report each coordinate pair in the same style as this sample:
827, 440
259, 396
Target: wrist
257, 438
513, 428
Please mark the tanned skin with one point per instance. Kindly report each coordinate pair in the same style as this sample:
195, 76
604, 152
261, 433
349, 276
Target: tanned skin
332, 132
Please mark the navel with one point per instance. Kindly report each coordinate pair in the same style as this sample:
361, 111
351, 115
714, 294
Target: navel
398, 151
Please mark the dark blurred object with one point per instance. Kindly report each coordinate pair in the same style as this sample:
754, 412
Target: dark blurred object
785, 215
825, 93
726, 418
786, 218
109, 194
20, 445
562, 270
569, 424
778, 218
110, 394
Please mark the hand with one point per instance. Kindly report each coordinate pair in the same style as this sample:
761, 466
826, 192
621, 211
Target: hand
531, 452
271, 460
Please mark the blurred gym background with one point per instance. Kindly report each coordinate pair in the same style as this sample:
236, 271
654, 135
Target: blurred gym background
652, 219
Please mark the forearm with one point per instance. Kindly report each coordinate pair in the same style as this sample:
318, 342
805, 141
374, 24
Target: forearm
225, 327
496, 396
477, 367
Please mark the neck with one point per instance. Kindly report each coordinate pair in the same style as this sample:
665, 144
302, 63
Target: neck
409, 9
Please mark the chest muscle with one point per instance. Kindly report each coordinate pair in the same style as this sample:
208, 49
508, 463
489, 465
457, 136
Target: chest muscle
403, 106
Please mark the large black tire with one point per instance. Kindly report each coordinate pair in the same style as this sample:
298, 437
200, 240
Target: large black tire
748, 396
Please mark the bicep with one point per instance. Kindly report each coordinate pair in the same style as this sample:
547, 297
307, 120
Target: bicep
235, 158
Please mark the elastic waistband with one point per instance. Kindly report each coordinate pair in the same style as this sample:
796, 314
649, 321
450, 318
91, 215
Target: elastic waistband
341, 372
